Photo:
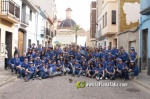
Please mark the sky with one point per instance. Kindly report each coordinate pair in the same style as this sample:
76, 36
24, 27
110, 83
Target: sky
80, 13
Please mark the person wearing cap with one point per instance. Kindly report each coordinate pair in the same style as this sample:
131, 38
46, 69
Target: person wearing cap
111, 61
133, 55
133, 70
52, 71
30, 72
40, 70
122, 70
110, 72
14, 62
77, 69
37, 62
43, 71
99, 72
21, 68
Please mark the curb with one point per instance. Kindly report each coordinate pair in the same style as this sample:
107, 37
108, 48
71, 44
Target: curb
144, 85
11, 79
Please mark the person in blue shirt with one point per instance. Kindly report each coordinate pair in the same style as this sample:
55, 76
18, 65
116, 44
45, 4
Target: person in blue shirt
99, 72
124, 56
67, 67
133, 55
104, 63
22, 68
52, 70
77, 69
91, 71
110, 72
133, 70
40, 70
115, 50
37, 62
59, 66
111, 61
14, 62
122, 70
30, 72
84, 67
23, 57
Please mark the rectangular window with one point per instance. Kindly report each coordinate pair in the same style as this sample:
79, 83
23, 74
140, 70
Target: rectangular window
113, 17
106, 19
30, 15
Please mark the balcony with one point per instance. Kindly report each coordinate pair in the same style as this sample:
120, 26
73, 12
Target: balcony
10, 11
24, 18
99, 36
145, 7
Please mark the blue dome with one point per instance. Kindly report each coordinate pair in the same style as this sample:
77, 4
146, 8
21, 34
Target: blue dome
67, 23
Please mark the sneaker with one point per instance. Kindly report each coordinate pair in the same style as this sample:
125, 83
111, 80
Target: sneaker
40, 78
101, 78
135, 77
97, 78
26, 80
106, 78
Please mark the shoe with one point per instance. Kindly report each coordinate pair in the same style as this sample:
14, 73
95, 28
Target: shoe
101, 78
83, 74
106, 78
135, 77
26, 80
40, 78
97, 78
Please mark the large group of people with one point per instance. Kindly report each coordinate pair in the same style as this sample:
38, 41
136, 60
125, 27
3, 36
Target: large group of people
98, 63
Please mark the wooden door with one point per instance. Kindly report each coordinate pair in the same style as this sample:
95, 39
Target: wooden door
20, 42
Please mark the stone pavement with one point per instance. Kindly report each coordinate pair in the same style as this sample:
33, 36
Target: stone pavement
6, 77
143, 80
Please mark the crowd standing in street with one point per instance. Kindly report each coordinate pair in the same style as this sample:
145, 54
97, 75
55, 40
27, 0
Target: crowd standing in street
98, 63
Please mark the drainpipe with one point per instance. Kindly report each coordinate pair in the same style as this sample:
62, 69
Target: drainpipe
36, 25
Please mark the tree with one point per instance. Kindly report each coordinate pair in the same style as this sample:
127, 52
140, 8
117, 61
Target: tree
76, 28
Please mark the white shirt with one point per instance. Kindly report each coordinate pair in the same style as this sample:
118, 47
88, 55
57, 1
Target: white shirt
6, 53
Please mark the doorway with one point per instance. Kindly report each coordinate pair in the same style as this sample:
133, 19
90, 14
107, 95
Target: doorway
115, 42
110, 45
8, 42
20, 41
144, 49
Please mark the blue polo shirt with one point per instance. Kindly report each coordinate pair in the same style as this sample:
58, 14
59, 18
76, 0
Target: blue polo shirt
100, 70
121, 66
110, 68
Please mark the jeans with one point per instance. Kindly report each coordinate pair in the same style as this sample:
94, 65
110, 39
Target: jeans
132, 74
43, 74
123, 74
99, 75
51, 73
13, 68
111, 76
78, 72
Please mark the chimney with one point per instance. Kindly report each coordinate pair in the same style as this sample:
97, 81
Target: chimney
68, 13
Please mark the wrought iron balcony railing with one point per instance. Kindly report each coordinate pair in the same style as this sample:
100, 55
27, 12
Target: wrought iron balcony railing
25, 18
145, 7
10, 8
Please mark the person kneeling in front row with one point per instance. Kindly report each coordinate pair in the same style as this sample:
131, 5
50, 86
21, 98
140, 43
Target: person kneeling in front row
110, 71
99, 72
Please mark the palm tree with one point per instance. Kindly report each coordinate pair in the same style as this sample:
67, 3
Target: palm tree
76, 28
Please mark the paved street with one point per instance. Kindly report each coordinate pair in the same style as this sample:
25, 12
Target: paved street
60, 88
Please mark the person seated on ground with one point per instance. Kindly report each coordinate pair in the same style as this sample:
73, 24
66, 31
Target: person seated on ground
91, 71
14, 62
122, 70
104, 62
133, 70
110, 72
37, 62
22, 68
77, 69
84, 67
111, 61
99, 72
59, 66
52, 71
43, 72
40, 70
30, 72
22, 58
66, 66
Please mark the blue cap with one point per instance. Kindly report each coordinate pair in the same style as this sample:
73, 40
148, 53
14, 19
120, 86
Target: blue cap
77, 61
120, 59
132, 61
43, 61
109, 63
30, 62
132, 48
58, 61
117, 59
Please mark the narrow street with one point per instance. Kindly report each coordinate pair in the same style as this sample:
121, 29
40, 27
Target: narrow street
60, 88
